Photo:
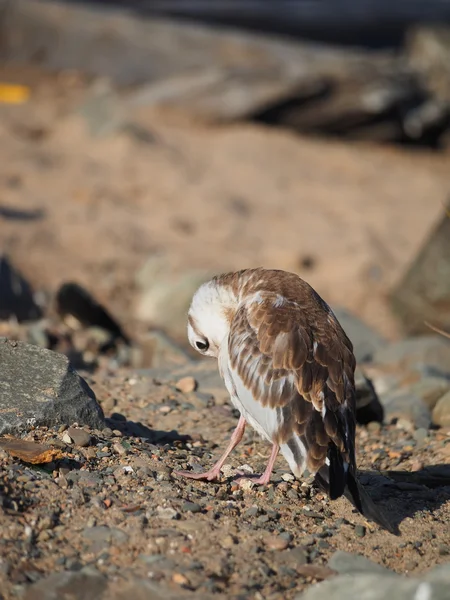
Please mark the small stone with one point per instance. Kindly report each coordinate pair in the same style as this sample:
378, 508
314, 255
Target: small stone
166, 512
180, 579
186, 385
119, 449
277, 543
80, 437
251, 512
191, 507
420, 435
67, 439
360, 531
287, 477
444, 550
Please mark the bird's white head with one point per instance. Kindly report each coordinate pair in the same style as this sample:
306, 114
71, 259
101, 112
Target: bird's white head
209, 317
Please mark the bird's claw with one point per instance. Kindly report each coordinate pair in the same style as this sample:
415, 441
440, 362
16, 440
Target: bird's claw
207, 475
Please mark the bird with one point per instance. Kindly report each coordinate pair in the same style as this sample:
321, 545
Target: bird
288, 367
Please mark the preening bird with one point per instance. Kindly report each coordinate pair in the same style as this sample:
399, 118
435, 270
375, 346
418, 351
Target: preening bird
289, 369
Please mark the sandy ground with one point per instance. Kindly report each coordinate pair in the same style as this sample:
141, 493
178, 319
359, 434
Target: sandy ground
347, 217
118, 506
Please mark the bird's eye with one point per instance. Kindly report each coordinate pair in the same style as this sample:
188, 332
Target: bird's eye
203, 346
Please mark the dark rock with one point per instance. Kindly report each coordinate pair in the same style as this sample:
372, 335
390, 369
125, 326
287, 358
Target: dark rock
86, 584
365, 340
39, 387
16, 295
368, 406
73, 300
360, 531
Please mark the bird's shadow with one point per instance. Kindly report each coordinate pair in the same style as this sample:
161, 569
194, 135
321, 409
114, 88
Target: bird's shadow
405, 493
138, 430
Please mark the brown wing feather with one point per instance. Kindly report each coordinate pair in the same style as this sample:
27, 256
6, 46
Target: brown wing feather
302, 344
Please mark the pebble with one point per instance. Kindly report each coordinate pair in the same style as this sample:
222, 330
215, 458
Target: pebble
277, 543
166, 512
186, 385
180, 579
80, 437
67, 439
360, 531
191, 507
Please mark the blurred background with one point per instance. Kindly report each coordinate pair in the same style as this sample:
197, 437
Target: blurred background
149, 144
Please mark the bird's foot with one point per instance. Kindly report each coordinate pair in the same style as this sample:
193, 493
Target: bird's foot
210, 475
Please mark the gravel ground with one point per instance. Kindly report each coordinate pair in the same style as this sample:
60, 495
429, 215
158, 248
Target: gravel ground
115, 504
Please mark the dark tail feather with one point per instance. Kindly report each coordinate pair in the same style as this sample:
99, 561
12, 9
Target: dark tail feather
333, 481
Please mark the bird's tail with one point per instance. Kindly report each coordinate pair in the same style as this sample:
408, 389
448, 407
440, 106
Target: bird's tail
354, 491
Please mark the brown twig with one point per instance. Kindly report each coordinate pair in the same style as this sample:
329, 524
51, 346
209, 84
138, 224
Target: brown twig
437, 330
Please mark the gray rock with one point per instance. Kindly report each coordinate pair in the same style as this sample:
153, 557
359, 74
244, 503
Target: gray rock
345, 563
368, 586
104, 534
365, 340
441, 573
441, 412
428, 354
423, 293
87, 584
80, 437
166, 294
142, 589
430, 389
403, 405
39, 387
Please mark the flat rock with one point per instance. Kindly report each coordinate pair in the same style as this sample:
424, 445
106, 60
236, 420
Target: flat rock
39, 387
345, 563
441, 412
87, 584
365, 586
366, 341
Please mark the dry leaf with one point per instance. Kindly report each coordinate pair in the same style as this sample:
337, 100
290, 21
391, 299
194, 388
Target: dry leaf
30, 452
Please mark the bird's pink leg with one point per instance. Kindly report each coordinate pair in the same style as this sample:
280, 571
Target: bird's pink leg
214, 472
265, 477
